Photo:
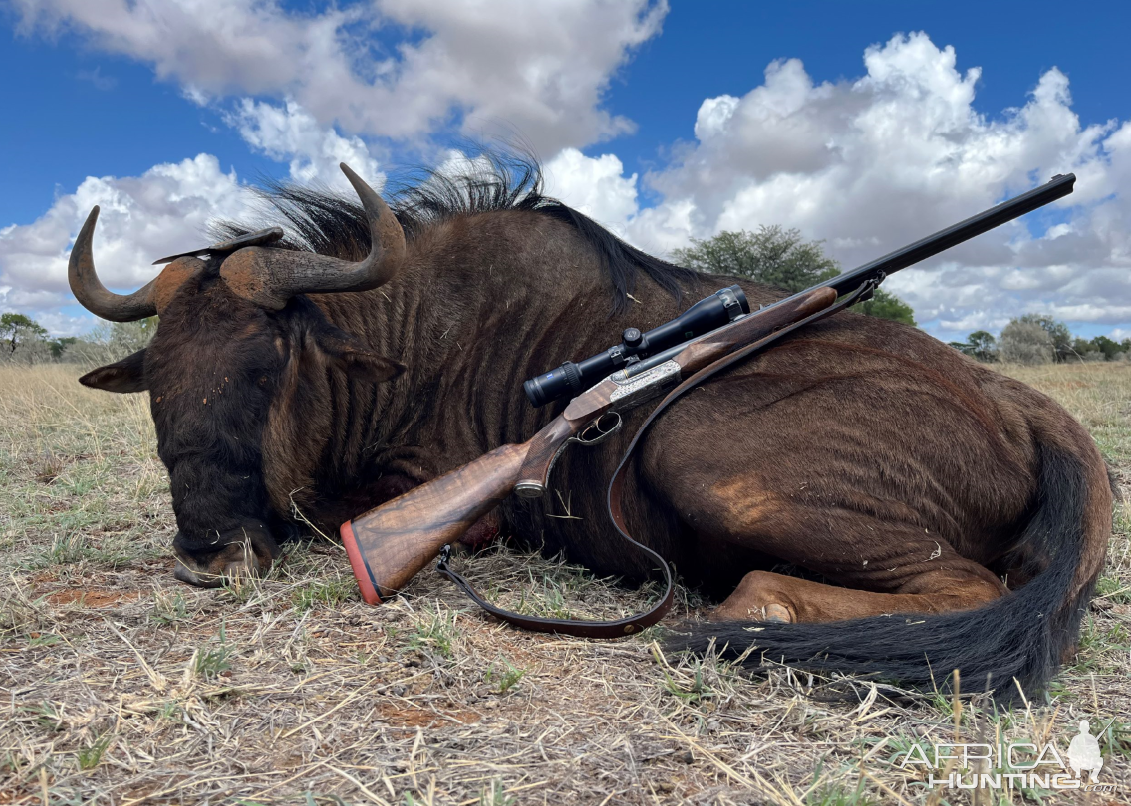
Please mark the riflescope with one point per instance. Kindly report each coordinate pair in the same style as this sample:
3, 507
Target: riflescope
570, 379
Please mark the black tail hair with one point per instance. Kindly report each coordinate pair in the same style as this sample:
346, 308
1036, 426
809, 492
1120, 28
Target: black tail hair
330, 224
1021, 636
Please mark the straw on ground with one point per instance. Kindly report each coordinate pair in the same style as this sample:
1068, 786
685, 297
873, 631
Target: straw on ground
119, 685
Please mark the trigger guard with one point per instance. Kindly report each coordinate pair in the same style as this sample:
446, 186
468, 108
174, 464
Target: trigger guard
602, 433
533, 489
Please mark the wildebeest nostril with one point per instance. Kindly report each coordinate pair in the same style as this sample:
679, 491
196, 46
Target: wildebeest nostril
242, 552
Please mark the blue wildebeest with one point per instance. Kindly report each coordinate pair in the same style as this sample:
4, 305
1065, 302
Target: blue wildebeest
382, 346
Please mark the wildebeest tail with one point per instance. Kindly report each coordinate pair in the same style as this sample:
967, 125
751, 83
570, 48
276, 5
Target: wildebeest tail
1022, 636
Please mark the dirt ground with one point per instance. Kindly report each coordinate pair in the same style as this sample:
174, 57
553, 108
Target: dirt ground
119, 685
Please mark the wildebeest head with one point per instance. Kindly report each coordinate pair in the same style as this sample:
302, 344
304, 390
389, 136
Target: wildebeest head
230, 327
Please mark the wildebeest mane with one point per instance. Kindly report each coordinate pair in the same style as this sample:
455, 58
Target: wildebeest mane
322, 221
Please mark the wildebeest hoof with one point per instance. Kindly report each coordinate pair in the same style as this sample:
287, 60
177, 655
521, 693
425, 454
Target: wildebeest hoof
760, 596
776, 614
772, 613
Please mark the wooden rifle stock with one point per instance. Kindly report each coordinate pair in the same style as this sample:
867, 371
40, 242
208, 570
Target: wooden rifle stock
388, 545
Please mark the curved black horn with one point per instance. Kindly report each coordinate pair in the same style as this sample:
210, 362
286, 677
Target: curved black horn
94, 296
270, 277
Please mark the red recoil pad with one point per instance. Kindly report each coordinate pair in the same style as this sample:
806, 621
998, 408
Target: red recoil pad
360, 567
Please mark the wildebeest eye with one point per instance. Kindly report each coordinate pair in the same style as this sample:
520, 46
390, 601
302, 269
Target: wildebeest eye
263, 381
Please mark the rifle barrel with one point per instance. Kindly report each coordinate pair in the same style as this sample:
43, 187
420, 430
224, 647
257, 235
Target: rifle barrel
1056, 188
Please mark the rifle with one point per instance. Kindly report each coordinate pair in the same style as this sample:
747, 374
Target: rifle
388, 545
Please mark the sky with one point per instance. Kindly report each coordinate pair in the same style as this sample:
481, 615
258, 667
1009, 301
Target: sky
866, 125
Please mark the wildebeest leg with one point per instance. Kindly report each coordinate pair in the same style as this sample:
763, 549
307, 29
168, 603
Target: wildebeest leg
766, 596
898, 500
876, 565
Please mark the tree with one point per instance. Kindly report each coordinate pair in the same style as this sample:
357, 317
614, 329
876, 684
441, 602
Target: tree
17, 330
1026, 342
780, 257
884, 305
1110, 349
979, 345
59, 346
772, 255
109, 341
1058, 334
1084, 350
983, 346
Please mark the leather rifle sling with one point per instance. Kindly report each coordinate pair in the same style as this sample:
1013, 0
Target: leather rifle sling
639, 621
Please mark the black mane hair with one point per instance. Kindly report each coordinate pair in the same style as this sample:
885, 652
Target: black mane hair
321, 221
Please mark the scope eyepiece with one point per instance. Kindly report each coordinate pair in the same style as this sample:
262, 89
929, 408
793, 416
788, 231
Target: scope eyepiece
721, 308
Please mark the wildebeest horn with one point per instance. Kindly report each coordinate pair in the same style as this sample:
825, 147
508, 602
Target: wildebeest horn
269, 277
94, 296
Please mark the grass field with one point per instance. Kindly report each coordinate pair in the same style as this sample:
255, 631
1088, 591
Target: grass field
119, 685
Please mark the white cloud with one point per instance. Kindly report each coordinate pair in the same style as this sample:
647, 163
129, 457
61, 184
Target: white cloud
163, 211
598, 187
59, 323
541, 68
289, 133
594, 185
871, 164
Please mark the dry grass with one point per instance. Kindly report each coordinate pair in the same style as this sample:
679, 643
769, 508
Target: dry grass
120, 686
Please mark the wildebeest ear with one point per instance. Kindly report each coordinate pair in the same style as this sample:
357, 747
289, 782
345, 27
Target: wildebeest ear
371, 366
358, 362
348, 352
127, 375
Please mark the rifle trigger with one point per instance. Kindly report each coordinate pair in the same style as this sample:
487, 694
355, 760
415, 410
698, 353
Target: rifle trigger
442, 560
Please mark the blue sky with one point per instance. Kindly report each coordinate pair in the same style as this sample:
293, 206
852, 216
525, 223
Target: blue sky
645, 114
